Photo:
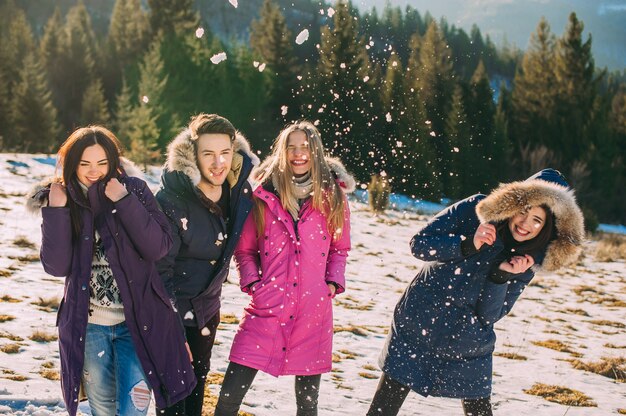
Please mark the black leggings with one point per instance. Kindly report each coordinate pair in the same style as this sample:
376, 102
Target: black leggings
390, 395
239, 378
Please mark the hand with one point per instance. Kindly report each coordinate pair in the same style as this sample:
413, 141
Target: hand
517, 264
115, 190
189, 352
485, 234
332, 289
57, 196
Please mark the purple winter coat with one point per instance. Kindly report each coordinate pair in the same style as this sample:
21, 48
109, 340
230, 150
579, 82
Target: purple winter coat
135, 234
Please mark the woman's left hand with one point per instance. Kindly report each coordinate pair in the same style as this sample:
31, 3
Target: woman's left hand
332, 289
115, 190
518, 264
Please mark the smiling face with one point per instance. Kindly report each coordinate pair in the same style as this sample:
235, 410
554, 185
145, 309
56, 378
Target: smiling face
215, 157
527, 225
298, 152
93, 165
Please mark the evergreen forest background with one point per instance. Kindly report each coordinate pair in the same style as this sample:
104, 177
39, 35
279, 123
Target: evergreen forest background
440, 112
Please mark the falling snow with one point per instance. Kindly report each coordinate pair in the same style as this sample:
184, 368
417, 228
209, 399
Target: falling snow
218, 57
302, 37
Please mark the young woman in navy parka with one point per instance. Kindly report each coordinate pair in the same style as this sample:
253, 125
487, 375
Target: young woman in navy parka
119, 335
478, 253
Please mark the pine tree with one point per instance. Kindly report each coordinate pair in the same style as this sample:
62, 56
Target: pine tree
128, 31
33, 115
431, 71
480, 112
172, 17
576, 92
342, 68
16, 43
151, 123
459, 153
421, 153
533, 98
124, 112
94, 107
272, 41
127, 39
78, 68
54, 57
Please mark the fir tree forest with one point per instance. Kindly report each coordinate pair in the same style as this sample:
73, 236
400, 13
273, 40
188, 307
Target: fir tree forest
439, 112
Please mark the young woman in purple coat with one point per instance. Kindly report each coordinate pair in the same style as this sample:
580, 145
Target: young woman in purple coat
119, 336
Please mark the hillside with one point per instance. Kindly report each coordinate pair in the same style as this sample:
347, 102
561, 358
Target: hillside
504, 21
576, 314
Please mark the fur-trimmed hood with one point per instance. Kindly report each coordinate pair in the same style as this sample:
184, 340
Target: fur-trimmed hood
37, 196
344, 178
181, 157
509, 199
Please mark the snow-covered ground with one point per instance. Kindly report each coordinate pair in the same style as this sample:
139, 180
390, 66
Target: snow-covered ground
584, 307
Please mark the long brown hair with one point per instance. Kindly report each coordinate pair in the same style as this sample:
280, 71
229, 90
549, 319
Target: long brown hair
327, 196
69, 156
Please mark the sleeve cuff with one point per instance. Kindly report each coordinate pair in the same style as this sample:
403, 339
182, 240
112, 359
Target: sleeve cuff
468, 248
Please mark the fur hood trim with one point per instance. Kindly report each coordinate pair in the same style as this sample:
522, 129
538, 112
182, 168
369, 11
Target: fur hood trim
37, 196
509, 199
181, 156
345, 180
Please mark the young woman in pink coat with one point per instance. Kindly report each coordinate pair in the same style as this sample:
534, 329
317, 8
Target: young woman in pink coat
291, 259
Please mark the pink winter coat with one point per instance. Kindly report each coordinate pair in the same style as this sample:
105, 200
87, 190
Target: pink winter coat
288, 325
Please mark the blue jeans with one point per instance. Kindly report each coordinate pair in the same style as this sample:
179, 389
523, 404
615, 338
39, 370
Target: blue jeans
112, 375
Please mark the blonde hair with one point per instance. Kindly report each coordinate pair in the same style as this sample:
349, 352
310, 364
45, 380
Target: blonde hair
326, 197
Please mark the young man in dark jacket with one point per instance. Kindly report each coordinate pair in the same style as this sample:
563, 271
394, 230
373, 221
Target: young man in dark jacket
206, 195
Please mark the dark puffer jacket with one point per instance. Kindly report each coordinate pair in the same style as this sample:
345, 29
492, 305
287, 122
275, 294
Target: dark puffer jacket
442, 337
190, 271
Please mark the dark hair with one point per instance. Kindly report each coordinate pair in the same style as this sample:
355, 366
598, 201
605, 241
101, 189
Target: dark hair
536, 246
211, 123
69, 156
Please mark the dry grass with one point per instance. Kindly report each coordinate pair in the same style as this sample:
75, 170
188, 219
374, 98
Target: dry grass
349, 302
576, 311
5, 273
349, 355
48, 304
613, 324
53, 375
10, 348
16, 377
617, 347
24, 242
555, 344
10, 337
229, 318
39, 336
369, 367
614, 368
9, 299
355, 329
510, 356
611, 247
368, 375
6, 318
28, 258
621, 411
215, 378
336, 358
561, 395
48, 364
595, 296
